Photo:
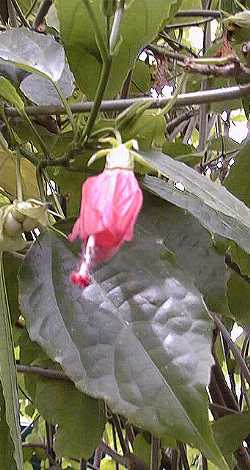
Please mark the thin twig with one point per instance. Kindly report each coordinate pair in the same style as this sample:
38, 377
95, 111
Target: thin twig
120, 459
42, 12
47, 373
188, 24
198, 13
185, 99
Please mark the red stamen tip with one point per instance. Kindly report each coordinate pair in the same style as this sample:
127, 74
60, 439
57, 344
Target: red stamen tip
81, 280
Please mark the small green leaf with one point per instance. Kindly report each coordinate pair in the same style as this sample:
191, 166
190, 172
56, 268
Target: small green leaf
9, 94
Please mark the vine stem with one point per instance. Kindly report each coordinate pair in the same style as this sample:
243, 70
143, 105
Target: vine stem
106, 67
98, 99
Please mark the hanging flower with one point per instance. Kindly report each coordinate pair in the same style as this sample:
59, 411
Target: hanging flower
110, 205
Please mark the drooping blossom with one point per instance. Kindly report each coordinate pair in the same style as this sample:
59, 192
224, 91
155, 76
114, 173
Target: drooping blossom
110, 204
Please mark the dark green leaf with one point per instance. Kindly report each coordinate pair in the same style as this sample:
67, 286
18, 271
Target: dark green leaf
138, 336
215, 207
8, 373
192, 247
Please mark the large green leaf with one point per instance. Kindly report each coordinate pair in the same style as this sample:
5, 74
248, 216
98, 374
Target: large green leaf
8, 375
215, 207
138, 336
78, 35
6, 444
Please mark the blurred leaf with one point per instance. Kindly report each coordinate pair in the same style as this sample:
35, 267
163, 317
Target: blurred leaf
215, 207
230, 431
123, 337
79, 38
8, 376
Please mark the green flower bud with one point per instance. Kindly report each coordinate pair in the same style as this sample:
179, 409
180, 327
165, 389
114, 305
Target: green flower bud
11, 238
17, 218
